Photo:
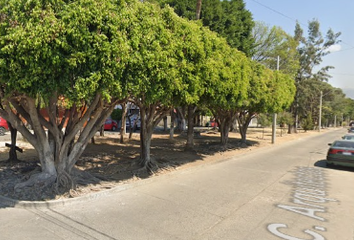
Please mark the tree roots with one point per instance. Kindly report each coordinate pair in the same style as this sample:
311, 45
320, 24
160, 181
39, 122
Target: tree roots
39, 180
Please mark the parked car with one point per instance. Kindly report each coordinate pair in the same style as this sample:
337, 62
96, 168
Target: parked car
134, 120
212, 124
351, 130
110, 124
3, 126
341, 153
349, 137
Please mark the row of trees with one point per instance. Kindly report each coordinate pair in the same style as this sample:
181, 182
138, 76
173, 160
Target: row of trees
64, 66
300, 54
76, 60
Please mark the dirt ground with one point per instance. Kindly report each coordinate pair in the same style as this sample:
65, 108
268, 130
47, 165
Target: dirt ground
111, 163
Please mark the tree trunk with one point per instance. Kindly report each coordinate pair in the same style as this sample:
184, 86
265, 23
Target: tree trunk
224, 130
243, 132
181, 118
12, 152
190, 132
165, 124
145, 141
233, 126
65, 138
102, 131
123, 122
172, 128
244, 120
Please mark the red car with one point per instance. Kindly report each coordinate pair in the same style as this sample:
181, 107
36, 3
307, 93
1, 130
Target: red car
212, 124
110, 124
3, 126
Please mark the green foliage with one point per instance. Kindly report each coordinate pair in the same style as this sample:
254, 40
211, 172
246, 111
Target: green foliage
151, 72
307, 123
285, 118
230, 19
312, 49
268, 91
271, 43
227, 76
264, 120
117, 114
74, 50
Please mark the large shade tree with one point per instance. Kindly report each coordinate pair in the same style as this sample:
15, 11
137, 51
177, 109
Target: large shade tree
268, 92
60, 65
164, 69
227, 83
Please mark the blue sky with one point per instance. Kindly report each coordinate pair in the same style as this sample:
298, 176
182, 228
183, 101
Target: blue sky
337, 15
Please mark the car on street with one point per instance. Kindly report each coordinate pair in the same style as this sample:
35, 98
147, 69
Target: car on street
341, 153
349, 137
110, 125
3, 126
351, 130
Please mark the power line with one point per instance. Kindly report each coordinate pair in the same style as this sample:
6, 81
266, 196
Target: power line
297, 21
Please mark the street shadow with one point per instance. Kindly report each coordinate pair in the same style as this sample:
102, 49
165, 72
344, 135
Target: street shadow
323, 164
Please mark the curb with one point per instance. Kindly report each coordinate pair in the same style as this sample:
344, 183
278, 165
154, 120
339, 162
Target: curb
6, 202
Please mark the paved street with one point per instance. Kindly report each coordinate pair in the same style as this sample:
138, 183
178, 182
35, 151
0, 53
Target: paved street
279, 192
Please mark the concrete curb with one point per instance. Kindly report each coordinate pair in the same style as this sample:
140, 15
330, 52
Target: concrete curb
9, 202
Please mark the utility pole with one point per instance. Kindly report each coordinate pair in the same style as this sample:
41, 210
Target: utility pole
274, 126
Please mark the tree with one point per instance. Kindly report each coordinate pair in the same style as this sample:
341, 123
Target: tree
237, 25
60, 66
273, 43
164, 69
311, 50
268, 92
226, 84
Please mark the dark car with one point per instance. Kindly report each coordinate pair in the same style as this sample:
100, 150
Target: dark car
3, 126
351, 130
341, 153
110, 125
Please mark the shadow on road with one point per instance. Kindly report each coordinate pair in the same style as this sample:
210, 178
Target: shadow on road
322, 164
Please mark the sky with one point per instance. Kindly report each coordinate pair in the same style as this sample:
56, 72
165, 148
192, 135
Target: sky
336, 15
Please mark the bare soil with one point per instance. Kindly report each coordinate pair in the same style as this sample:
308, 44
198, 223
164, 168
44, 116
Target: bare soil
108, 163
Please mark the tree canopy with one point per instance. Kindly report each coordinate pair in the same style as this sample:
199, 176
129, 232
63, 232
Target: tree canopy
64, 65
230, 19
60, 66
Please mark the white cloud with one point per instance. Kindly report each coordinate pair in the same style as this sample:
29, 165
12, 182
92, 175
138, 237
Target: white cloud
335, 48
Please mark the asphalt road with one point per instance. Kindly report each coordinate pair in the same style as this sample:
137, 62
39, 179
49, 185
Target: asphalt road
281, 192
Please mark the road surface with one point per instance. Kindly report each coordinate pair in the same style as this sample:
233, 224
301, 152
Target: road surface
279, 192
